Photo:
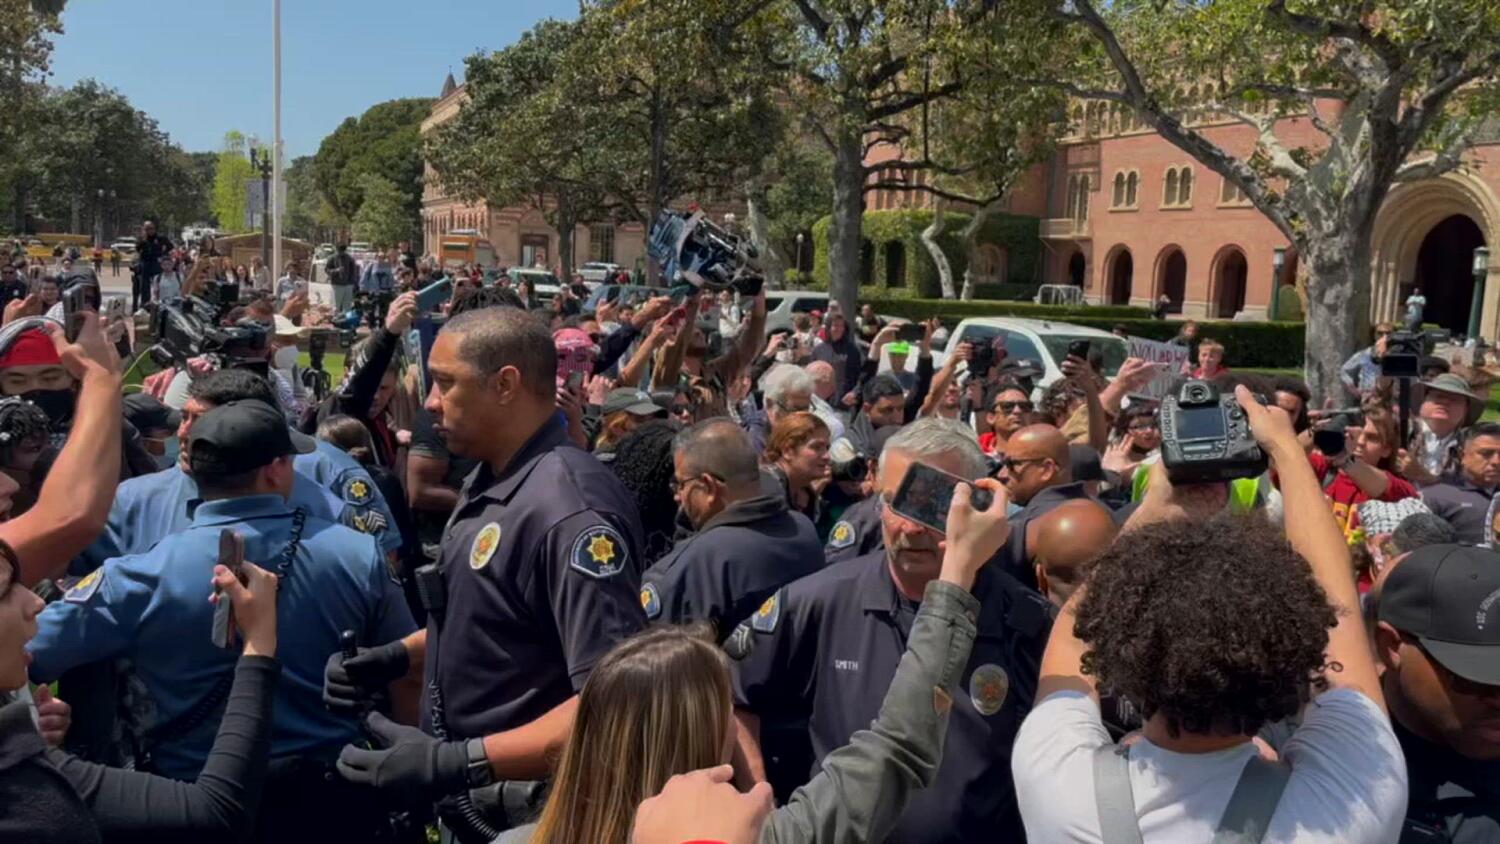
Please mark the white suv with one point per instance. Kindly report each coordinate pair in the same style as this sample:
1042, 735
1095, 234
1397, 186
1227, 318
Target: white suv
1042, 341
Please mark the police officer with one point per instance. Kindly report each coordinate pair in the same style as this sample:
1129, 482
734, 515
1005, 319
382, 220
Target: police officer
149, 608
1037, 472
747, 543
535, 582
857, 532
149, 508
826, 647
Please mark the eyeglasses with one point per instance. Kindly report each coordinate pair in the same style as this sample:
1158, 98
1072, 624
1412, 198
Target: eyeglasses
1144, 426
1009, 464
677, 484
1008, 406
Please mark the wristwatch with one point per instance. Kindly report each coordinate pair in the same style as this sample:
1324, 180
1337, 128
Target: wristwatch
478, 772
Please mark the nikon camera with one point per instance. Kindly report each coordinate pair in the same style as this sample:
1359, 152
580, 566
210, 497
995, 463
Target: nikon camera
1205, 437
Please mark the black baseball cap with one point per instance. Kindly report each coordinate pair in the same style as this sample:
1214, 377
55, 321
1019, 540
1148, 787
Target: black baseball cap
638, 403
242, 436
146, 413
1448, 596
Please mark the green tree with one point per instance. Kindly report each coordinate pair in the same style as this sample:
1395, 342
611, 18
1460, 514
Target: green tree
385, 141
799, 190
1394, 91
383, 218
231, 174
26, 29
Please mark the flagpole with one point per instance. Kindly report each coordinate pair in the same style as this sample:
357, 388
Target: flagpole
276, 156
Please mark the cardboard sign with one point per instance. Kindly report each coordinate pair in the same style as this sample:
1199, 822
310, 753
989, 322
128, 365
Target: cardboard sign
1156, 351
321, 293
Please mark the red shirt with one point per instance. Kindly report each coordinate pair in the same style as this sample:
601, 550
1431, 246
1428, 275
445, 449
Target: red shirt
1346, 496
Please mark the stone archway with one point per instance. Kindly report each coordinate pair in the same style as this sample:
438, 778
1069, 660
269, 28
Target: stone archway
1077, 266
1171, 277
1121, 275
1231, 276
1409, 215
1444, 271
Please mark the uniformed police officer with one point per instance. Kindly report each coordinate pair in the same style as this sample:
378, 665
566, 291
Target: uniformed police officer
149, 607
826, 647
747, 544
857, 532
535, 580
152, 507
1037, 472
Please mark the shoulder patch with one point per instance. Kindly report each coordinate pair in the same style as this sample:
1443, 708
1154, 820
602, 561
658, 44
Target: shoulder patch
740, 643
370, 521
765, 619
650, 601
84, 589
842, 536
358, 490
599, 552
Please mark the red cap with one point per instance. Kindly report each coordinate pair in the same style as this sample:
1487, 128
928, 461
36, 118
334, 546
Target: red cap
31, 348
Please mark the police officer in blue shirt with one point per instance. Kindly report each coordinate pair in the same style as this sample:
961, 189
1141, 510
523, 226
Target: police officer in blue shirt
856, 533
535, 581
149, 608
747, 543
826, 647
152, 507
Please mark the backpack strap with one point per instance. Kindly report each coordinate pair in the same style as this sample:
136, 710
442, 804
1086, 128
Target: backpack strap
1113, 796
1250, 808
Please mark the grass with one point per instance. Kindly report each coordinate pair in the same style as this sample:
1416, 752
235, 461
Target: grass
333, 364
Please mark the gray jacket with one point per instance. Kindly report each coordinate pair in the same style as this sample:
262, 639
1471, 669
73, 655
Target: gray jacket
864, 785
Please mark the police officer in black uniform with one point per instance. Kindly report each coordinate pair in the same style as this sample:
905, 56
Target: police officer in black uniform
536, 580
747, 544
857, 533
826, 647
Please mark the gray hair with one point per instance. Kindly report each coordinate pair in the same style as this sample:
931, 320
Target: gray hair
935, 436
491, 338
787, 379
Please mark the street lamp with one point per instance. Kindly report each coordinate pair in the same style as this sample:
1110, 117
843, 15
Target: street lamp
1476, 305
799, 252
99, 220
262, 161
1278, 263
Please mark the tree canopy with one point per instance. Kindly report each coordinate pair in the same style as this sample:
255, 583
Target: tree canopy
385, 141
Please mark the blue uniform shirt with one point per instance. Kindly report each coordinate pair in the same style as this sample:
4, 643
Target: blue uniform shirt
826, 647
728, 568
364, 507
152, 507
153, 609
541, 571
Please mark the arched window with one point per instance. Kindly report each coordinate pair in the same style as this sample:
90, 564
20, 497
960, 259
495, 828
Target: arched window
1119, 195
1185, 187
1170, 195
1132, 184
1230, 194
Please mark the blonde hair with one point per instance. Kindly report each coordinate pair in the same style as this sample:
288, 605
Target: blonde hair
657, 705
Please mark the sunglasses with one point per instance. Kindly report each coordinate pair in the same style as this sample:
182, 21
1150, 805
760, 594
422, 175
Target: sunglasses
1009, 464
1008, 406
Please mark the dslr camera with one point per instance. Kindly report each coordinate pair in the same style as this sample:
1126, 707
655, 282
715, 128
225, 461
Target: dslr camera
1205, 436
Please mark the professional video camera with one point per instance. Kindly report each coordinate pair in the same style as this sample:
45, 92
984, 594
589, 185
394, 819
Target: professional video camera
1404, 351
694, 251
187, 328
222, 295
1205, 436
848, 463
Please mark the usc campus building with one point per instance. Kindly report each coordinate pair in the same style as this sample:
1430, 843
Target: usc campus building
1127, 217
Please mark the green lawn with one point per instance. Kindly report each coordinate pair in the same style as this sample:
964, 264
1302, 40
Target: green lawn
333, 364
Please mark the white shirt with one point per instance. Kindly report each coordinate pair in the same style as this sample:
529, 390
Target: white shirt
1348, 782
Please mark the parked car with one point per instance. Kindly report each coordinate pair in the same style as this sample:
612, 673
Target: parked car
124, 247
782, 305
598, 272
1041, 341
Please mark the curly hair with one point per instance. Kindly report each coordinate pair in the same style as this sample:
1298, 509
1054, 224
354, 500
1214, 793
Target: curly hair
643, 463
1219, 630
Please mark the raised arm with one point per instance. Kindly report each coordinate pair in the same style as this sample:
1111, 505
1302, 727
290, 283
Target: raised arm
944, 378
74, 501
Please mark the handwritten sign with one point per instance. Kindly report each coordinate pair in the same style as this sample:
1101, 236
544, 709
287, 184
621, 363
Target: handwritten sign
319, 293
1156, 351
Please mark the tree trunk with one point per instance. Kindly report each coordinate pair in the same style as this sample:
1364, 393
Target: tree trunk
655, 189
845, 233
1338, 302
971, 245
565, 228
939, 257
771, 262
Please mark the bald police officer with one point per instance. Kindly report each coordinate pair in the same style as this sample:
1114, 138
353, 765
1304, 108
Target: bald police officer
826, 647
747, 543
149, 608
536, 579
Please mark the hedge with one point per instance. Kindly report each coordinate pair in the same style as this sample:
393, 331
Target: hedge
1019, 236
1259, 345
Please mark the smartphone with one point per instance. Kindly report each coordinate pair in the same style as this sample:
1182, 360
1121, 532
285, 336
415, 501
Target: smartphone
434, 295
910, 332
232, 557
575, 381
115, 310
1079, 349
76, 301
926, 494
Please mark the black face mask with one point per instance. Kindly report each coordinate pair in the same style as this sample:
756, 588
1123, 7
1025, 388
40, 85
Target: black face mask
57, 404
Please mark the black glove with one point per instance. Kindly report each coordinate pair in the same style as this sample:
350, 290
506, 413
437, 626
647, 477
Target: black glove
412, 763
348, 683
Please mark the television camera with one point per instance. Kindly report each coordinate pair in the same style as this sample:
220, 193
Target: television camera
693, 251
188, 328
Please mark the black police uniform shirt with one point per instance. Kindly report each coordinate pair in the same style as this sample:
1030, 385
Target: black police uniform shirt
857, 533
826, 647
1452, 798
1014, 557
541, 580
732, 565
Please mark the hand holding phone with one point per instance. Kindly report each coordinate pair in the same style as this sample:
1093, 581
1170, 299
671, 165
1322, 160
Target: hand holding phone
926, 495
431, 297
910, 332
232, 557
75, 301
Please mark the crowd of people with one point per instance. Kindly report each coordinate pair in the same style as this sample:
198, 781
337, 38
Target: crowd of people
649, 572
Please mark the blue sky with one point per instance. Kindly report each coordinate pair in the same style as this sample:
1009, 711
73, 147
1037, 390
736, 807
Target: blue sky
203, 67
